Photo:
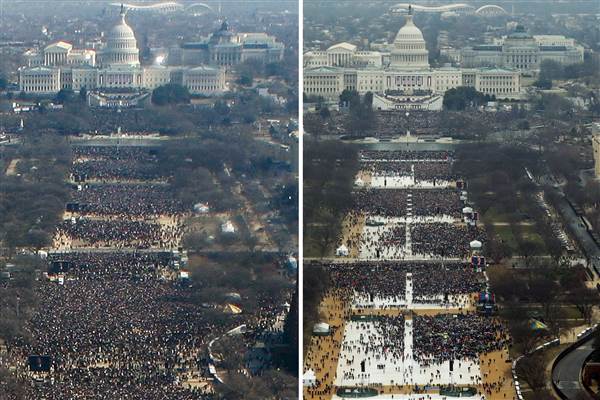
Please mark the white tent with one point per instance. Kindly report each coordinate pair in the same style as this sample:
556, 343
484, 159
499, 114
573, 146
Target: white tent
342, 251
467, 210
233, 296
232, 309
238, 330
184, 275
292, 262
475, 245
321, 329
201, 208
309, 378
227, 227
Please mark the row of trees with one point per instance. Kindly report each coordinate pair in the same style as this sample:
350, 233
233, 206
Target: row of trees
171, 93
329, 171
255, 277
174, 118
551, 70
463, 97
361, 117
545, 289
33, 197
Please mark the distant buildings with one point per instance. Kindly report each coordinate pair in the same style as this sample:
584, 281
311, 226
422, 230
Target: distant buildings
596, 147
522, 51
226, 48
60, 53
402, 69
199, 67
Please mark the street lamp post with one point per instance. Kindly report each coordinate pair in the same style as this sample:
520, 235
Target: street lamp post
18, 303
407, 128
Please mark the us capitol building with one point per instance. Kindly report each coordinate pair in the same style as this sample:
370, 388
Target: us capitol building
116, 67
403, 69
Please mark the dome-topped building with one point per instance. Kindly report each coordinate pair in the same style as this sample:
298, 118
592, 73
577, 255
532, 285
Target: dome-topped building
399, 77
121, 45
409, 50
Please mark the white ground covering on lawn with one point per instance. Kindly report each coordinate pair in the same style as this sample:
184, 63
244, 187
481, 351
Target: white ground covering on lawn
390, 368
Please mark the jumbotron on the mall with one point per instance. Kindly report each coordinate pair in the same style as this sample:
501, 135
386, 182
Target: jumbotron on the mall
458, 8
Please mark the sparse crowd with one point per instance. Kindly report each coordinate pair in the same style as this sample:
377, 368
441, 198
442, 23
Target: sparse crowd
405, 320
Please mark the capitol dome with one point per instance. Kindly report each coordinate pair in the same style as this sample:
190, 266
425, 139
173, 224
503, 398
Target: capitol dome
409, 50
121, 45
409, 32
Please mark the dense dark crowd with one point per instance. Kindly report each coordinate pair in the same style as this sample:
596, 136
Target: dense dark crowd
405, 155
114, 153
130, 199
446, 337
117, 265
421, 122
107, 163
388, 279
119, 335
386, 203
125, 324
104, 170
394, 202
444, 240
436, 202
118, 233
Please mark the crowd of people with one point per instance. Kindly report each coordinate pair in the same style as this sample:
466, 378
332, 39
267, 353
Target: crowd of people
436, 172
383, 242
114, 264
421, 122
133, 338
387, 279
416, 318
437, 202
445, 240
388, 124
119, 233
109, 170
118, 318
394, 202
406, 155
108, 163
447, 279
115, 153
386, 203
130, 199
379, 344
445, 337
